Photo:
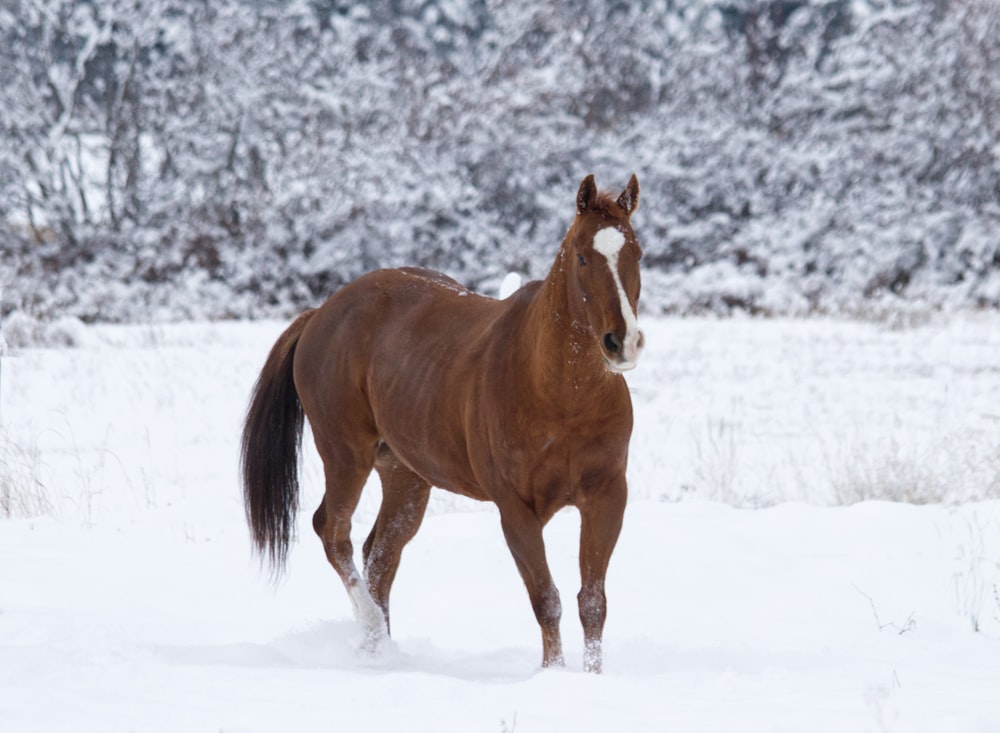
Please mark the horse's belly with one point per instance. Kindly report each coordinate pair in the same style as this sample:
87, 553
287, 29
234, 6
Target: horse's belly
437, 465
420, 418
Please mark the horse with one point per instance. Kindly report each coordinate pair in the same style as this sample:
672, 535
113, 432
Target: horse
520, 401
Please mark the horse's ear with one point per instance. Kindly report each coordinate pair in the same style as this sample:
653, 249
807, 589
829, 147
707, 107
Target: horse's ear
629, 199
587, 194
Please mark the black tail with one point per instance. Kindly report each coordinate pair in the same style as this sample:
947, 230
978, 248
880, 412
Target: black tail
272, 434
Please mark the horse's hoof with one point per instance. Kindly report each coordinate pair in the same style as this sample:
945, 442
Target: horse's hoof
373, 642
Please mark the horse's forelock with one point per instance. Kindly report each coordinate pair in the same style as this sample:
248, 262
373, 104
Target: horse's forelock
606, 205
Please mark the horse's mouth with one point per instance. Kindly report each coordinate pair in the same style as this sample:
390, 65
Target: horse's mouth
620, 367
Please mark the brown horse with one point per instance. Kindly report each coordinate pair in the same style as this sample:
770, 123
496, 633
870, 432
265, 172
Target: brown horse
519, 401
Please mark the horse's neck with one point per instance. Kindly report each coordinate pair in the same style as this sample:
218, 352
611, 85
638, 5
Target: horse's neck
564, 354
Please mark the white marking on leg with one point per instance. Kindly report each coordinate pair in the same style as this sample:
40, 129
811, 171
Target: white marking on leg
367, 613
609, 242
592, 655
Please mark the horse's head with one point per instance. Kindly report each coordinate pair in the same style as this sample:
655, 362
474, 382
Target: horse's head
603, 271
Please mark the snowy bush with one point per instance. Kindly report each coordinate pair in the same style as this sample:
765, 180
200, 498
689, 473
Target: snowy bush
235, 159
21, 330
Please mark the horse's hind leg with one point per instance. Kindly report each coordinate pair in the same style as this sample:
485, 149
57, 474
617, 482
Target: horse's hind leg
404, 500
346, 471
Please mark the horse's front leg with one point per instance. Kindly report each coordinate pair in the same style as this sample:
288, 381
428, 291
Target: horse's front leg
523, 532
601, 516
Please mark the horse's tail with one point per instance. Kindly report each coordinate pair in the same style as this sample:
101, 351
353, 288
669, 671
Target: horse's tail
272, 434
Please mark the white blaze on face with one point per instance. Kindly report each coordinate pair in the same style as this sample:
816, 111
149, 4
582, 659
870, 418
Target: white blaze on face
609, 242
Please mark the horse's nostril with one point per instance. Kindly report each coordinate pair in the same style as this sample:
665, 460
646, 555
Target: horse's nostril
612, 344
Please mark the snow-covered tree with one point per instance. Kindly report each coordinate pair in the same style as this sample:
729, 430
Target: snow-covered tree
237, 157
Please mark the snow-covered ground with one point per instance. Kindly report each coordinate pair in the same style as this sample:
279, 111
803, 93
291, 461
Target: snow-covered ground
749, 591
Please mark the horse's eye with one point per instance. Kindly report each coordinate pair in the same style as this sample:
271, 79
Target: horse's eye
583, 260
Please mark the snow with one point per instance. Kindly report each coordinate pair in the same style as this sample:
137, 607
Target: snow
129, 598
510, 284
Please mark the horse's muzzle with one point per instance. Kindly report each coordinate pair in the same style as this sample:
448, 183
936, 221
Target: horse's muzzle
622, 354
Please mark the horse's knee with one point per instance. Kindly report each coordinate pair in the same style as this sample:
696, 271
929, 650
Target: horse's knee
547, 607
593, 609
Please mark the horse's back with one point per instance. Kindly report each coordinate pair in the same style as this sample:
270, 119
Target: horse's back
361, 312
395, 355
406, 310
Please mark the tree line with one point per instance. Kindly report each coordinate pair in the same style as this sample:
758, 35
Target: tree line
235, 158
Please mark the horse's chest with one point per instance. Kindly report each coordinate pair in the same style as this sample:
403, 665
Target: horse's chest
550, 467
